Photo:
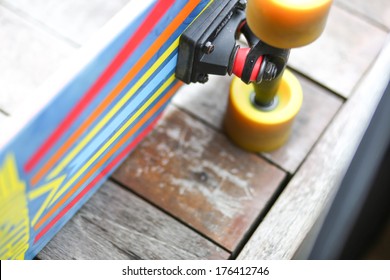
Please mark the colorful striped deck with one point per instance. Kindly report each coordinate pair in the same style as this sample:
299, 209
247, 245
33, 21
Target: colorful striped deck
51, 167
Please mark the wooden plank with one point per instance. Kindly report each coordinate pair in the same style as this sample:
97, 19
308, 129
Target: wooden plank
341, 56
72, 19
304, 199
377, 11
27, 57
208, 102
115, 224
194, 173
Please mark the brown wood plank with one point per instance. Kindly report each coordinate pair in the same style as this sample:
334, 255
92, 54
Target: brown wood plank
115, 224
207, 102
194, 173
341, 56
27, 57
74, 20
376, 10
304, 199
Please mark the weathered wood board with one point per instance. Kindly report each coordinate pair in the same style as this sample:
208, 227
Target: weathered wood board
73, 20
28, 56
198, 176
342, 55
115, 224
376, 11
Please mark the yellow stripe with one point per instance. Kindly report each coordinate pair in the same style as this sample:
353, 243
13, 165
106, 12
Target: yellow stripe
114, 137
113, 111
41, 190
50, 188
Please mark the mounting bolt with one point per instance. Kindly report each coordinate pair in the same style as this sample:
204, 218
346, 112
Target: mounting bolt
270, 71
208, 48
203, 78
241, 4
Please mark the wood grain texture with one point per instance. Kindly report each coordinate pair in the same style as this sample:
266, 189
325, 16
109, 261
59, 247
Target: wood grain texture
304, 199
377, 11
72, 19
208, 102
342, 55
115, 224
198, 176
27, 57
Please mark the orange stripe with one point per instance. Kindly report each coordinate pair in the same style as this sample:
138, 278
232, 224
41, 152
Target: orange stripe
116, 91
120, 144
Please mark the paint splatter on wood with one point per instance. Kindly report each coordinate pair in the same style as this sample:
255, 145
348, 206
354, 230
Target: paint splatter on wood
198, 176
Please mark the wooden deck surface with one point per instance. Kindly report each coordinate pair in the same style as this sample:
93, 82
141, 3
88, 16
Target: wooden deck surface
187, 192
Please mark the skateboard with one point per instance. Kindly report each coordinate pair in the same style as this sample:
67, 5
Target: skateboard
89, 117
95, 111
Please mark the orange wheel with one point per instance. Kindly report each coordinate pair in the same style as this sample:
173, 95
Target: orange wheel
287, 23
256, 130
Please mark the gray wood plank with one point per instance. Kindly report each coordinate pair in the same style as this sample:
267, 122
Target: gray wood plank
208, 102
344, 52
73, 19
377, 11
115, 224
27, 57
304, 199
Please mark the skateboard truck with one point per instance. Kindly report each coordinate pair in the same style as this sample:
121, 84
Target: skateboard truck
264, 97
209, 46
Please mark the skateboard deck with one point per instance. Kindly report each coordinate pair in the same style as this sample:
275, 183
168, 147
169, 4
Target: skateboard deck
86, 119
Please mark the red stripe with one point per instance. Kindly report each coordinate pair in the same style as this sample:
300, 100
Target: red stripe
93, 183
154, 16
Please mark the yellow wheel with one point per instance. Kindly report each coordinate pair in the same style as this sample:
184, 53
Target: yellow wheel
287, 23
257, 130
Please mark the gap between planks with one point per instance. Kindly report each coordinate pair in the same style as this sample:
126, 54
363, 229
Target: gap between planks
159, 208
115, 224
